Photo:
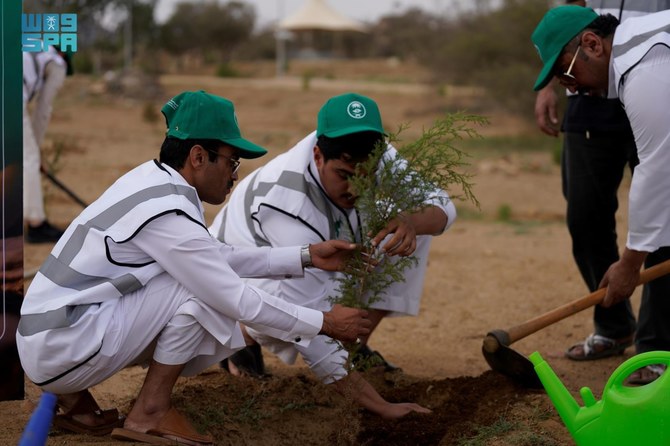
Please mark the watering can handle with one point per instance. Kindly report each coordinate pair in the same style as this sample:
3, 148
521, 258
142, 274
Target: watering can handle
643, 359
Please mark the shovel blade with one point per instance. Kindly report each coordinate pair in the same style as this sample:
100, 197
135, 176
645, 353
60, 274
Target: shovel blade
514, 365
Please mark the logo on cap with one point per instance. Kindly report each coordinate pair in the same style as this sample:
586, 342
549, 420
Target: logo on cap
356, 110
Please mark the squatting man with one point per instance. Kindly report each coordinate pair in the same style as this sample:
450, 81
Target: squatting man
138, 279
305, 196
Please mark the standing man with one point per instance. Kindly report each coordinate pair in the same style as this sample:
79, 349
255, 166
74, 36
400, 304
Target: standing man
137, 279
43, 75
598, 144
629, 62
304, 196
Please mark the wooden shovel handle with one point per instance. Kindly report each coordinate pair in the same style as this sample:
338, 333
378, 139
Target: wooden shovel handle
544, 320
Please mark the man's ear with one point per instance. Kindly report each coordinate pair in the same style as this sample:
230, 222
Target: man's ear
318, 157
197, 156
592, 44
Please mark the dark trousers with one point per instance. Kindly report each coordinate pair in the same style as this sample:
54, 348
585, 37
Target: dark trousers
592, 170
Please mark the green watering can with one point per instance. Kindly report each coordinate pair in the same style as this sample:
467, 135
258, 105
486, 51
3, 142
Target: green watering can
624, 416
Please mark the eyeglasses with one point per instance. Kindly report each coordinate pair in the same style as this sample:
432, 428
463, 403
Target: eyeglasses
234, 163
568, 76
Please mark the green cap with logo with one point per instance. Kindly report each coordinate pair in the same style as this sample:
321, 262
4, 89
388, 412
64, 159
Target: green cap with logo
348, 113
200, 115
558, 27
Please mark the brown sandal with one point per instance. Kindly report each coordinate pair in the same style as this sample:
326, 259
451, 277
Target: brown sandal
105, 420
173, 428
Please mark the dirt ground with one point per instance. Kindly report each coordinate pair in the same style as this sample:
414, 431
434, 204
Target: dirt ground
485, 273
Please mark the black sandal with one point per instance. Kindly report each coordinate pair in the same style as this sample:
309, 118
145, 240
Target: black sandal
249, 361
596, 346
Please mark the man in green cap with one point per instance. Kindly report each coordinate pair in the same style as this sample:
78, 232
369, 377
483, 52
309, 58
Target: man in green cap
304, 196
598, 147
630, 61
138, 279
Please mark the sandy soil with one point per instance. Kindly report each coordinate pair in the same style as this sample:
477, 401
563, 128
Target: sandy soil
484, 274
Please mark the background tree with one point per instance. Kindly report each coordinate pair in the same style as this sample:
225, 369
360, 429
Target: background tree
486, 47
211, 30
491, 50
410, 35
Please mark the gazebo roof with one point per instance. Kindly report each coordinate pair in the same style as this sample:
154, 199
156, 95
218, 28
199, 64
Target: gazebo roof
317, 14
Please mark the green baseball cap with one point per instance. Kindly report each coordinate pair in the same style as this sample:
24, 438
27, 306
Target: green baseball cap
348, 113
558, 27
200, 115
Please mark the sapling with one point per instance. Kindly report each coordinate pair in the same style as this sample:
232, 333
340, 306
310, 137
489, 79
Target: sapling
388, 187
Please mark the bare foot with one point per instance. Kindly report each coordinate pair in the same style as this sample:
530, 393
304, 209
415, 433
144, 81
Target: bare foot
140, 421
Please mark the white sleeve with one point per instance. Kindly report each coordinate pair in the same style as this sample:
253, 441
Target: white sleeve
197, 260
646, 95
316, 285
266, 262
248, 261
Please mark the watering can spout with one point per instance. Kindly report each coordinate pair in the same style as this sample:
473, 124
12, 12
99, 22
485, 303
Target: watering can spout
565, 404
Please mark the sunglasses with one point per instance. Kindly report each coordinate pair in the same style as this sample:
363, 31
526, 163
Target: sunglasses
234, 163
567, 76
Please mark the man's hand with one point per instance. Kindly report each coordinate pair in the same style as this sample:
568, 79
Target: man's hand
622, 277
346, 324
546, 104
393, 411
406, 226
331, 255
403, 241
